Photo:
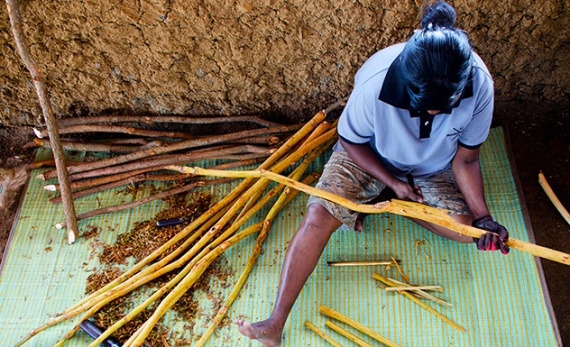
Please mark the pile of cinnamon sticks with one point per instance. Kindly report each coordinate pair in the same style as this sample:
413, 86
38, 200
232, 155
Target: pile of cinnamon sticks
138, 154
208, 236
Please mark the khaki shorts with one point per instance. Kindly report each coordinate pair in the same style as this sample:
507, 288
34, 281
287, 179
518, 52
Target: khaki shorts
343, 177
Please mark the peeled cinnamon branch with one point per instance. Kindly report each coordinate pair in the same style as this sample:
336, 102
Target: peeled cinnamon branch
404, 208
552, 196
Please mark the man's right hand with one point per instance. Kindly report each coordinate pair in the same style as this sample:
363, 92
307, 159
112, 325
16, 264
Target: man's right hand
495, 238
406, 192
363, 156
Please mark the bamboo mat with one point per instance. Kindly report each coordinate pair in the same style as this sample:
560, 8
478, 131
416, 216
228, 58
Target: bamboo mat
498, 299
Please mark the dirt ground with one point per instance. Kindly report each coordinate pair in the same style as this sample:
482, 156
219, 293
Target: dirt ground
537, 144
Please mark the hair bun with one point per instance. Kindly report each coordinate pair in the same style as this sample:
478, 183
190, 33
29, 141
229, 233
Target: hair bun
439, 14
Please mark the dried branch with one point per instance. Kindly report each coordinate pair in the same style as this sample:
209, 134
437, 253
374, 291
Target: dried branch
118, 118
45, 103
150, 198
97, 128
88, 147
404, 276
130, 180
219, 152
127, 141
48, 162
413, 288
269, 140
182, 145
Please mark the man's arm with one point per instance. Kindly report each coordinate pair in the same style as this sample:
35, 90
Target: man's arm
467, 171
367, 159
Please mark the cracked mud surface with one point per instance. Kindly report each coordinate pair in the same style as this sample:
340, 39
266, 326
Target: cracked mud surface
292, 57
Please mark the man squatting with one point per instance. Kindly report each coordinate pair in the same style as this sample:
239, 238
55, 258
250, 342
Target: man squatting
421, 108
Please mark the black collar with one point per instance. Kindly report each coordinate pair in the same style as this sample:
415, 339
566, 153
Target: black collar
394, 93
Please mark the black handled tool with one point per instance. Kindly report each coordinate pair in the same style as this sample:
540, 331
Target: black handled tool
171, 221
95, 331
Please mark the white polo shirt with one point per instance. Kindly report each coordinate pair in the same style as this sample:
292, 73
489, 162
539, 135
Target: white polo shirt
378, 113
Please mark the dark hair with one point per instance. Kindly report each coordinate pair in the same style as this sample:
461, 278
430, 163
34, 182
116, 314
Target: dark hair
437, 60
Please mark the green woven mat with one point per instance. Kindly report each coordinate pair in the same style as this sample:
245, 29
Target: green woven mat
498, 299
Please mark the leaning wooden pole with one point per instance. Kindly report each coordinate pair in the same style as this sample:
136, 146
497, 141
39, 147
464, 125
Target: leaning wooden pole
41, 89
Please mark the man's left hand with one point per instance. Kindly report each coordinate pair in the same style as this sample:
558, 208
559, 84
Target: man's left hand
495, 238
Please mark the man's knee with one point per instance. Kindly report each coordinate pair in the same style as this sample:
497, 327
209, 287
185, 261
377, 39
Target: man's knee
317, 217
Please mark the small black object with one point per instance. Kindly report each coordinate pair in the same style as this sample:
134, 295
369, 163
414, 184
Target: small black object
171, 221
95, 331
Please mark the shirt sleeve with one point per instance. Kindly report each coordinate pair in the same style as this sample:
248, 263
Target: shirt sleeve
477, 130
356, 121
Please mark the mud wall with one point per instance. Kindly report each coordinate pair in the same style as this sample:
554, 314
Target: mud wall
256, 56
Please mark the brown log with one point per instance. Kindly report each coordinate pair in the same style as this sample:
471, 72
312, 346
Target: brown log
131, 141
45, 103
269, 140
97, 128
125, 175
88, 147
219, 152
119, 118
165, 160
48, 162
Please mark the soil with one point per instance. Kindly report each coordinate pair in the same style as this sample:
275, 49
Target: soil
536, 143
545, 145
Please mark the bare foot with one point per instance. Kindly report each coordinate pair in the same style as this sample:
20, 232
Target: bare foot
263, 332
360, 222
